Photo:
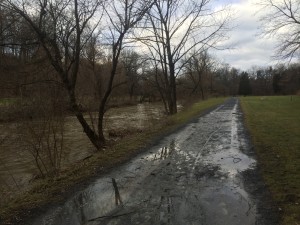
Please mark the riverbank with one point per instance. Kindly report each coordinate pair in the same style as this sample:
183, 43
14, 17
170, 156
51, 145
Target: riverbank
54, 190
205, 172
274, 125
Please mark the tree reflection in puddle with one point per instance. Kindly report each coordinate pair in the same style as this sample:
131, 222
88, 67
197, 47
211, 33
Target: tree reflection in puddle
175, 183
118, 199
164, 152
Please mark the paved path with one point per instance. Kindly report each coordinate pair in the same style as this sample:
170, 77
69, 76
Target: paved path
204, 174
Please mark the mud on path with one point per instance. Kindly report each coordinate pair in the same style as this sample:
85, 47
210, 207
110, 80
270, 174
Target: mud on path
205, 173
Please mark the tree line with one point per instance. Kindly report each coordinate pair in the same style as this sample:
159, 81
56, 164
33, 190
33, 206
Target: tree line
56, 41
88, 53
278, 80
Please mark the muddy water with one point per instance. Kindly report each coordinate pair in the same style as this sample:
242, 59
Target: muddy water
16, 162
194, 176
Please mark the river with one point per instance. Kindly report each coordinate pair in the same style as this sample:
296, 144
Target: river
17, 167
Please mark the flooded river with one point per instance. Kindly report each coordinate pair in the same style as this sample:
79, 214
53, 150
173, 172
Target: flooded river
203, 174
16, 162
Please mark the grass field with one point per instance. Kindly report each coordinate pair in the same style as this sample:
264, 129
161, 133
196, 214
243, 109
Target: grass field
274, 124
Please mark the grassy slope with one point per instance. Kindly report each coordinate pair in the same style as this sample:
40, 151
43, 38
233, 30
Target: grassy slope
56, 189
274, 124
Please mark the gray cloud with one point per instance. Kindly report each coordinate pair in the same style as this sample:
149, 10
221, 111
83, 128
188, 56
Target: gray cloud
247, 47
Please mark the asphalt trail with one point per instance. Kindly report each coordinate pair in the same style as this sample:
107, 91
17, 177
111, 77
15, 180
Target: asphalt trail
203, 174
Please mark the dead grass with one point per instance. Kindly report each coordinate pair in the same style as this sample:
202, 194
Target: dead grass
274, 124
54, 190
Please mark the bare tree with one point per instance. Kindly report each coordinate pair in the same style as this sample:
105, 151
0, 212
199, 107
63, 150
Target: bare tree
64, 28
132, 63
123, 16
281, 18
157, 78
196, 68
177, 27
44, 138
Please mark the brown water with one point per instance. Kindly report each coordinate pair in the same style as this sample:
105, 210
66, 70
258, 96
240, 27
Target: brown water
17, 166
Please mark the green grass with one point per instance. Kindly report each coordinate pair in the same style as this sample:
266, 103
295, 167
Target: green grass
274, 124
7, 101
53, 190
194, 110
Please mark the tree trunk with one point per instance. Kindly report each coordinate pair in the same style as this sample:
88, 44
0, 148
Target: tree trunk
173, 97
100, 126
115, 60
91, 134
202, 92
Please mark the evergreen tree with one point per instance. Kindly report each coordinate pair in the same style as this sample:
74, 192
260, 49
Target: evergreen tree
244, 86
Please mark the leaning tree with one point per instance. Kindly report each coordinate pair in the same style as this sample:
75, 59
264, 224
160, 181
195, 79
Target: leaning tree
65, 27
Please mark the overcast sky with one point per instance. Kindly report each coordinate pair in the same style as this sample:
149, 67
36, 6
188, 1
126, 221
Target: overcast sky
248, 48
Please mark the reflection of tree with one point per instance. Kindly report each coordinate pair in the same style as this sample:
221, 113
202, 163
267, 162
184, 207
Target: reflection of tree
118, 199
170, 206
166, 201
81, 201
166, 151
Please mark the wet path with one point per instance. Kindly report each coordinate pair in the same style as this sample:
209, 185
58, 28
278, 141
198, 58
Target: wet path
194, 176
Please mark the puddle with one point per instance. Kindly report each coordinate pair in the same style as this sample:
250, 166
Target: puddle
227, 205
164, 152
227, 153
194, 176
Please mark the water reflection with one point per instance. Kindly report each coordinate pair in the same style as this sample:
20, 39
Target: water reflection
165, 152
165, 207
227, 152
118, 199
191, 177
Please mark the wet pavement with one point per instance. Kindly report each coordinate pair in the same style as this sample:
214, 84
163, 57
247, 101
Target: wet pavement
197, 175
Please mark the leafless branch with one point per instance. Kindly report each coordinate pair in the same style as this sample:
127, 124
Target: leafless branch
281, 19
